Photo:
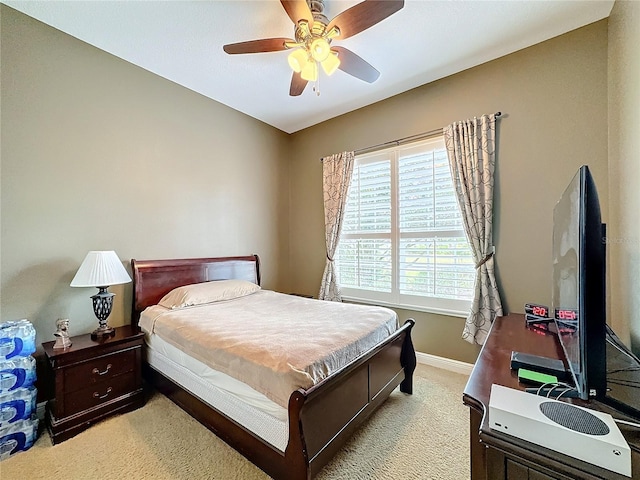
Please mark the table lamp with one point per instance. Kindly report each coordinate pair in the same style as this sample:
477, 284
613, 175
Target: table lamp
101, 269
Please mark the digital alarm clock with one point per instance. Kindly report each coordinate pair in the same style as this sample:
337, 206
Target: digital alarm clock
536, 310
566, 314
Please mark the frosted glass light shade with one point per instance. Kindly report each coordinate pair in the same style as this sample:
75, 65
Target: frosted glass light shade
320, 49
310, 72
331, 63
100, 269
298, 59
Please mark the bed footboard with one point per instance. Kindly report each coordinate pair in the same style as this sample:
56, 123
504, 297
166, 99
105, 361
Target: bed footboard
322, 418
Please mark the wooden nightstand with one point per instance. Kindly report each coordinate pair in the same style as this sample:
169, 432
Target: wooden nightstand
93, 379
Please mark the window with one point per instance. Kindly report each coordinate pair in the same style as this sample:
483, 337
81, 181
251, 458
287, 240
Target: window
402, 242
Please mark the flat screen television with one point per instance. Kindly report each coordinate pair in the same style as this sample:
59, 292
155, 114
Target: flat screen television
579, 287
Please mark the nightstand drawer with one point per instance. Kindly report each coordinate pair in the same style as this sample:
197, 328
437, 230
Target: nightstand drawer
99, 370
99, 393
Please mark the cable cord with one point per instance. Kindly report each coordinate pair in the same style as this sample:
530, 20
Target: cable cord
552, 386
626, 383
613, 339
626, 369
625, 422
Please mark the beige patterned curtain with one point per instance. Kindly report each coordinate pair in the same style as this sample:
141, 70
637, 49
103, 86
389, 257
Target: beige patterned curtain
471, 151
336, 176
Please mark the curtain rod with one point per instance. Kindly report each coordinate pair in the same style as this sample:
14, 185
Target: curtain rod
417, 136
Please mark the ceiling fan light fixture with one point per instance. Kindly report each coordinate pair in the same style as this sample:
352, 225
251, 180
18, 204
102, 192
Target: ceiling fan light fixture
320, 49
331, 63
298, 59
292, 44
333, 33
312, 37
304, 28
310, 71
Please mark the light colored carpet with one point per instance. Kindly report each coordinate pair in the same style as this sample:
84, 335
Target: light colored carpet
422, 436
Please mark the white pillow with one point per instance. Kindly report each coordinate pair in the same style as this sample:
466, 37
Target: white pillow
207, 292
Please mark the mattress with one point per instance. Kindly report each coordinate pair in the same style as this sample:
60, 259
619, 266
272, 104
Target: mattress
273, 342
229, 396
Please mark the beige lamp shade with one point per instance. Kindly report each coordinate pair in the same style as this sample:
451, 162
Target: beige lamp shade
100, 269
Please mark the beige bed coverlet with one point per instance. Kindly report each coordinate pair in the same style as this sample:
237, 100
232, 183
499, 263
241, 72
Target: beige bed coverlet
275, 343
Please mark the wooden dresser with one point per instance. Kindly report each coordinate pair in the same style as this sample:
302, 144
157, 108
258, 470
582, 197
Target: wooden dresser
93, 379
496, 456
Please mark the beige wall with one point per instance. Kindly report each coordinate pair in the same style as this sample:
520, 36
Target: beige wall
99, 154
554, 102
624, 171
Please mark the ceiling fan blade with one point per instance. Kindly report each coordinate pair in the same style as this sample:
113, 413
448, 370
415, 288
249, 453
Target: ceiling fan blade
364, 15
298, 10
298, 85
354, 65
257, 46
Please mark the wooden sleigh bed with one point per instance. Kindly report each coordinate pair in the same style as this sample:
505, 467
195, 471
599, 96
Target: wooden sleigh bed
320, 419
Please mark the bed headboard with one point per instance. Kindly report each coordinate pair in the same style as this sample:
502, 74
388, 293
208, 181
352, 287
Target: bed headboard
153, 279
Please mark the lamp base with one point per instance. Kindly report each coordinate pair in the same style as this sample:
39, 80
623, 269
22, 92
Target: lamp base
103, 331
102, 303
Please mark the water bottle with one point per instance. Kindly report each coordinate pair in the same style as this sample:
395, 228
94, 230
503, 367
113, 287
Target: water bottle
17, 405
17, 339
18, 436
16, 373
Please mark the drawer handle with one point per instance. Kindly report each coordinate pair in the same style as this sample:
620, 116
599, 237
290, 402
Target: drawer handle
98, 372
101, 397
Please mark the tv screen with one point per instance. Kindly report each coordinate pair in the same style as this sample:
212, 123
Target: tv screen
578, 295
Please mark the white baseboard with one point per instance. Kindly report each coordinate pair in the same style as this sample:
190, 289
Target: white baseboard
444, 363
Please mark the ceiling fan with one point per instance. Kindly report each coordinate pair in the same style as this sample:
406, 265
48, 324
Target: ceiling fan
314, 33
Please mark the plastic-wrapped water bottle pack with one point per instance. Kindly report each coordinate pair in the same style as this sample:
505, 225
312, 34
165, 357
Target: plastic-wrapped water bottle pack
18, 420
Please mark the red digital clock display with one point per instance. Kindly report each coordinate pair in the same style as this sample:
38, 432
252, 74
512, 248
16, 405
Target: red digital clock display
566, 314
540, 311
536, 310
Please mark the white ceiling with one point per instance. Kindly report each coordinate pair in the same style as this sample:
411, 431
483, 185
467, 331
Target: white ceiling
426, 40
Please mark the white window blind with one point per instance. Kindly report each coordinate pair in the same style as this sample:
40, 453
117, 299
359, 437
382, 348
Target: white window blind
402, 242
